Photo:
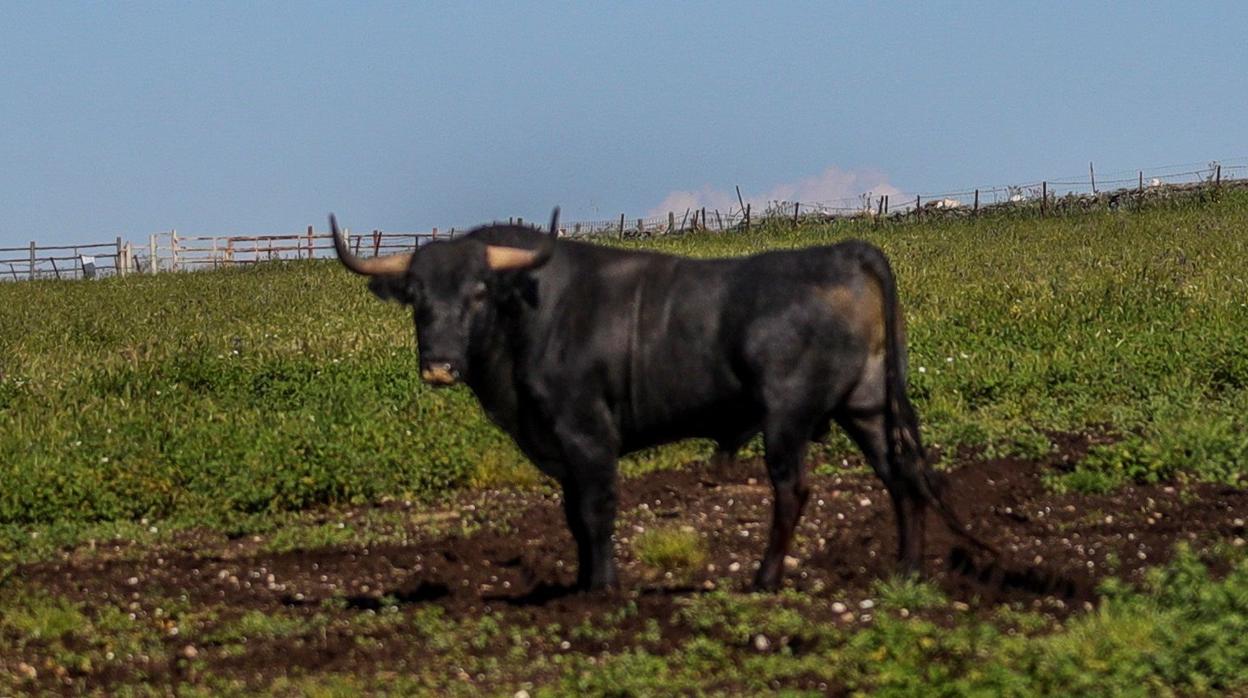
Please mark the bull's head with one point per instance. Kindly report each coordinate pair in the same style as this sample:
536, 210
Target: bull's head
450, 286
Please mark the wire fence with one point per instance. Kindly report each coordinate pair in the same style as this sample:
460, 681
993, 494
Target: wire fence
169, 251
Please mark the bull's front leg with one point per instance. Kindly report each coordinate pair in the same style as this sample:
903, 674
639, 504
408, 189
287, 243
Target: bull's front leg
590, 503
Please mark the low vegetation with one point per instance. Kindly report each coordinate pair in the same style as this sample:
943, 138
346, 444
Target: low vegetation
276, 412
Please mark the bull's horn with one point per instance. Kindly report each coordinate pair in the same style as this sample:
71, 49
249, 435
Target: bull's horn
500, 258
371, 266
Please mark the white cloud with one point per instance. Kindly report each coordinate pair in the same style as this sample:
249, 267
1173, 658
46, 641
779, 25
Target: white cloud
834, 187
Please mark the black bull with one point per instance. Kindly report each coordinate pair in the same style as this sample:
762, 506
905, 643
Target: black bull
583, 353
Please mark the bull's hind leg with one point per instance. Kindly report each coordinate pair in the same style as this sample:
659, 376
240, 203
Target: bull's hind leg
785, 442
908, 504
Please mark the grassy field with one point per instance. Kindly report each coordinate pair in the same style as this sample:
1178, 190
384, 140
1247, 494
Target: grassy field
279, 387
186, 412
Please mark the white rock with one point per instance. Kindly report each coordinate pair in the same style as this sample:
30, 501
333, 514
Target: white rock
838, 607
866, 604
761, 643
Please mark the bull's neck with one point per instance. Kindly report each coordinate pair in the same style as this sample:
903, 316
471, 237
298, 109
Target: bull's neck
491, 379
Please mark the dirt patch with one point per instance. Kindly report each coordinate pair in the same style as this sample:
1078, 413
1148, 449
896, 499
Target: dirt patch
518, 562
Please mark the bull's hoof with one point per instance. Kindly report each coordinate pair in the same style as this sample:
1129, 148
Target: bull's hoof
766, 585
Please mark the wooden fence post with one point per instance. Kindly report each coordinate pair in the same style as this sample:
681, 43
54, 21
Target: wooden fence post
32, 260
796, 208
621, 226
1141, 181
918, 206
119, 262
151, 254
173, 248
976, 209
1044, 196
887, 200
376, 242
1218, 177
671, 221
1092, 176
311, 244
879, 210
747, 218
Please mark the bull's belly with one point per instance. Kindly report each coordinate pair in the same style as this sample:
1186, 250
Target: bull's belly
725, 420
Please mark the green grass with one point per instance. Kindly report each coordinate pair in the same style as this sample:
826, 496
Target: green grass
1183, 634
675, 550
284, 386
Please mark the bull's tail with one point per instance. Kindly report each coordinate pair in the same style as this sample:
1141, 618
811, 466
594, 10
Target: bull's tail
905, 448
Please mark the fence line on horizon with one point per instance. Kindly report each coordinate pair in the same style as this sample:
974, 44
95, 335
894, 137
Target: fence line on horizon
169, 251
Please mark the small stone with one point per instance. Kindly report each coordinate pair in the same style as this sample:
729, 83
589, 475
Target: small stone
866, 604
190, 652
864, 502
520, 694
27, 671
1238, 542
565, 645
761, 643
132, 581
734, 567
790, 563
847, 617
959, 606
838, 607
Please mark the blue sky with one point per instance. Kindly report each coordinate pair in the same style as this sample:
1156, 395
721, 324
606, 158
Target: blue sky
245, 118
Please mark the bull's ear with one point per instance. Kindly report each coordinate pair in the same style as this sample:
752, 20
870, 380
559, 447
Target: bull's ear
391, 287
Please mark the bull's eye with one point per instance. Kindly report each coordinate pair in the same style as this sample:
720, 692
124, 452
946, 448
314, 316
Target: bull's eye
479, 292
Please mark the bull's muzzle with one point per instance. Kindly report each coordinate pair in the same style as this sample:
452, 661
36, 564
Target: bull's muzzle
439, 373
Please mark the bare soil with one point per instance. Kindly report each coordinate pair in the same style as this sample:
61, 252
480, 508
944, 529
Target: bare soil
520, 559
